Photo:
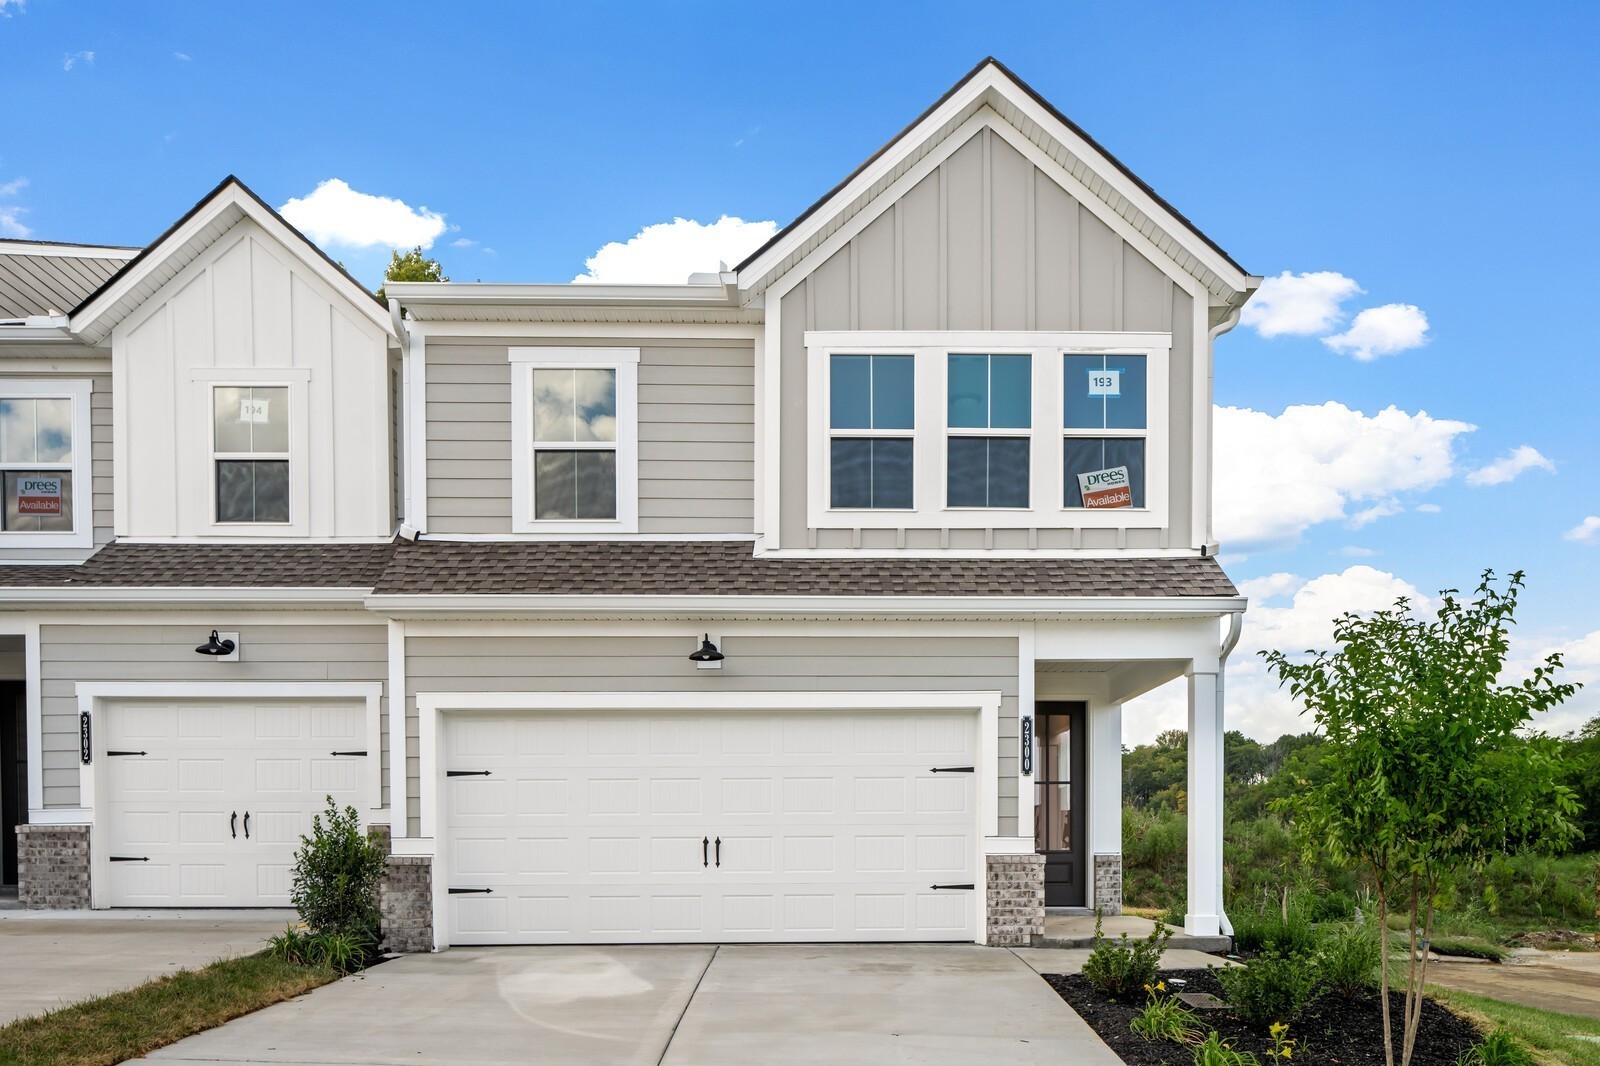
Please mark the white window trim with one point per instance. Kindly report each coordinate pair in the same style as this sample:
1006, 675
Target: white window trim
832, 434
81, 467
298, 381
1046, 480
1027, 433
625, 361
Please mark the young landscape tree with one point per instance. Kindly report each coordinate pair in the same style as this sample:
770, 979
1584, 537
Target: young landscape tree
411, 266
1425, 770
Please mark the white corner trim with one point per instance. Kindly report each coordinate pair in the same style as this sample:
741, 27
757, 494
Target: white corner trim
625, 361
33, 686
399, 783
78, 391
1027, 645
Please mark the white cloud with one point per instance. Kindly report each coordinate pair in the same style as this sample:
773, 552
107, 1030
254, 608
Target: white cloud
1429, 508
1278, 475
1352, 551
668, 252
462, 242
18, 4
11, 224
1289, 614
334, 213
184, 56
71, 59
1585, 532
1580, 662
1381, 331
1507, 467
1299, 304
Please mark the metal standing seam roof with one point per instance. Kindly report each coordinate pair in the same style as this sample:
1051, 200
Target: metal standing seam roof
36, 282
611, 568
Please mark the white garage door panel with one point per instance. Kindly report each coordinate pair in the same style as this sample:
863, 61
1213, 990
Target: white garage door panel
600, 828
174, 811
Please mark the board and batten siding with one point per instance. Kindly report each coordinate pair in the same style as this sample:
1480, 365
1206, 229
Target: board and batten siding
249, 305
788, 663
987, 241
696, 436
350, 651
101, 446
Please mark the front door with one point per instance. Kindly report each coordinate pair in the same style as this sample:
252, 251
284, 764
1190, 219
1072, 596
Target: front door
1058, 813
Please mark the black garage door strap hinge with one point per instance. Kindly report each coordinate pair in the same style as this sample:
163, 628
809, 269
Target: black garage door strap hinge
938, 887
130, 858
127, 753
346, 753
954, 769
463, 773
470, 891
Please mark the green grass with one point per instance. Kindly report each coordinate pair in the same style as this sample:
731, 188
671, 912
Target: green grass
1468, 947
128, 1024
1554, 1037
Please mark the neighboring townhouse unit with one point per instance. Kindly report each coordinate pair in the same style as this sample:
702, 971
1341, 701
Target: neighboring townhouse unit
796, 602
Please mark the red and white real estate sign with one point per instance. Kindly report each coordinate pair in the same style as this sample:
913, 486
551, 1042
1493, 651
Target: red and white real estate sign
1106, 488
39, 496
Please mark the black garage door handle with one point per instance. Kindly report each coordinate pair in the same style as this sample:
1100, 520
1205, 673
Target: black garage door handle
938, 887
130, 858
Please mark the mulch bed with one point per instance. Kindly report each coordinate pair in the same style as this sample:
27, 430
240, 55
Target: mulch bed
1334, 1031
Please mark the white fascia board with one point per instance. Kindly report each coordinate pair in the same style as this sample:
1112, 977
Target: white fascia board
68, 251
52, 331
184, 597
529, 329
419, 294
1015, 607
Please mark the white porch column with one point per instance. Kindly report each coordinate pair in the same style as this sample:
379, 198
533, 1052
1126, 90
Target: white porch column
1105, 808
1205, 806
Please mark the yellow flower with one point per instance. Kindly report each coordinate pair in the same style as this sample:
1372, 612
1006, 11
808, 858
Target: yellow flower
1161, 986
1278, 1028
1288, 1053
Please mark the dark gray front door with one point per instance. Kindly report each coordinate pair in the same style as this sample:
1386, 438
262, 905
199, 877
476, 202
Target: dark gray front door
1059, 800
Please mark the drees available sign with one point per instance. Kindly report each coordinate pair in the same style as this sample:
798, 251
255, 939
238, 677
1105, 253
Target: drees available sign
39, 496
1106, 488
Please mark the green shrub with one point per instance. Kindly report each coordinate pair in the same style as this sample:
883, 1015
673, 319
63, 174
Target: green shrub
1271, 929
1213, 1052
1272, 988
1499, 1048
336, 875
1164, 1018
1125, 967
1348, 957
339, 952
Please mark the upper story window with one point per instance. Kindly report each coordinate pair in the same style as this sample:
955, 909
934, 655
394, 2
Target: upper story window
939, 429
44, 448
989, 402
250, 452
871, 425
574, 435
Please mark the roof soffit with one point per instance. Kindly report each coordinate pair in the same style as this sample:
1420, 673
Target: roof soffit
993, 88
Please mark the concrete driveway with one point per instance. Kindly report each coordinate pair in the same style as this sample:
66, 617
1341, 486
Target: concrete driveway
917, 1003
49, 959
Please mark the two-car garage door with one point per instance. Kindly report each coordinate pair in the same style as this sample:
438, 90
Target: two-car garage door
684, 827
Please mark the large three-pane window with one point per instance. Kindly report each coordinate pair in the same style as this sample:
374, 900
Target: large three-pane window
1104, 422
989, 416
250, 452
872, 427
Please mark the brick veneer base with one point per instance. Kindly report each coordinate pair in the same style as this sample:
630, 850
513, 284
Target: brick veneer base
1015, 900
407, 902
1108, 883
53, 866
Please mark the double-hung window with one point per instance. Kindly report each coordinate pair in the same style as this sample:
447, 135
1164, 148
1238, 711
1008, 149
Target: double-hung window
872, 431
250, 453
574, 440
44, 447
989, 400
1104, 424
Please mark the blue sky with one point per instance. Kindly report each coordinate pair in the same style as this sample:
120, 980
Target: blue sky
1439, 157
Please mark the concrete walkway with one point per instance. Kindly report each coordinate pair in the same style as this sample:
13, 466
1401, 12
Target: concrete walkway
50, 959
1567, 982
923, 1003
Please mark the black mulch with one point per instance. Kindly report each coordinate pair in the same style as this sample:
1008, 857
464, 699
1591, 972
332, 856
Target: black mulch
1334, 1031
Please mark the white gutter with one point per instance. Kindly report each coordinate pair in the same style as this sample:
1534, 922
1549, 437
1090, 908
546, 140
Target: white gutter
479, 293
68, 597
36, 329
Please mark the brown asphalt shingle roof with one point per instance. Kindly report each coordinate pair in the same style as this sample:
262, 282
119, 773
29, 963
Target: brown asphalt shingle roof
609, 568
728, 568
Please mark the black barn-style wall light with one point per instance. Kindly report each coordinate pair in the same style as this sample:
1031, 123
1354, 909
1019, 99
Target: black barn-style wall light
708, 657
217, 646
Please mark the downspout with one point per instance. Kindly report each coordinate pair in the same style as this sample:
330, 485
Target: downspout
397, 317
1228, 322
1235, 625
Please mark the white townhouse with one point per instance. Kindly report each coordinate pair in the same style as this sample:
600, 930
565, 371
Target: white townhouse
797, 602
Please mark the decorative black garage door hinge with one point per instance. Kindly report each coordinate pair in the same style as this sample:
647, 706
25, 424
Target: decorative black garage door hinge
938, 887
130, 858
466, 773
470, 891
127, 753
346, 753
955, 769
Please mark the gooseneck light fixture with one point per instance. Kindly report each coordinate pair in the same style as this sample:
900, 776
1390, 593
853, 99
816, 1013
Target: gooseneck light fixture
708, 653
218, 646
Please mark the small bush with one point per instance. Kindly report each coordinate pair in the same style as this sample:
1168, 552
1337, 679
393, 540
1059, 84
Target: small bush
1272, 988
1213, 1052
1274, 930
1164, 1018
1125, 967
1499, 1048
1347, 958
338, 952
336, 875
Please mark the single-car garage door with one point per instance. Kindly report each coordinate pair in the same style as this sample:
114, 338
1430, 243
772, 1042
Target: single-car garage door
204, 802
709, 827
